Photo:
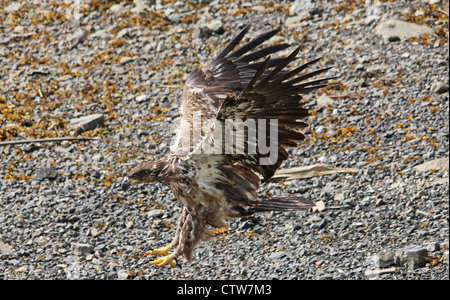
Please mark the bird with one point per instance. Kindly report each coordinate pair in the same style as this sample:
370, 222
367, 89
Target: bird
216, 182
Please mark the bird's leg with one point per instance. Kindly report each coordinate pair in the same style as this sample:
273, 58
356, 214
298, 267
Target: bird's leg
190, 230
168, 259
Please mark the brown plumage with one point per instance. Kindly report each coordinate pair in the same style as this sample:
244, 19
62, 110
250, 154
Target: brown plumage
214, 186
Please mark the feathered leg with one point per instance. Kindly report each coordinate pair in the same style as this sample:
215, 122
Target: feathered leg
169, 258
190, 231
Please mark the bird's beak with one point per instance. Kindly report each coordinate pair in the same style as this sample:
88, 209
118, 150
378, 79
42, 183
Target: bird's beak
125, 184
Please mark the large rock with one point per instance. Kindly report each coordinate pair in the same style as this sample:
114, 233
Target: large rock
439, 87
87, 122
5, 249
81, 249
439, 164
324, 101
384, 259
395, 29
44, 173
412, 257
14, 6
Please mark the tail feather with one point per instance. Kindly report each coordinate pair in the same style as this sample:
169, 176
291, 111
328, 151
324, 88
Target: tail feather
281, 204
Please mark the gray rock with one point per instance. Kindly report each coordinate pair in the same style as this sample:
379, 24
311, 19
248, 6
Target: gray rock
384, 259
357, 225
77, 37
129, 225
94, 232
81, 249
374, 12
160, 47
439, 87
156, 213
5, 249
216, 26
339, 197
413, 257
394, 29
140, 5
142, 98
123, 32
360, 67
324, 101
333, 158
300, 6
122, 274
277, 255
432, 247
126, 59
45, 173
13, 7
322, 159
245, 225
116, 8
87, 122
439, 164
321, 224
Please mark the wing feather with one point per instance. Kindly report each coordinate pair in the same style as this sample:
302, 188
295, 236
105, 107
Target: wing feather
233, 42
237, 86
207, 90
254, 43
276, 98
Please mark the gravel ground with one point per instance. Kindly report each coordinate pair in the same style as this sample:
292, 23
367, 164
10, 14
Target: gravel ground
63, 215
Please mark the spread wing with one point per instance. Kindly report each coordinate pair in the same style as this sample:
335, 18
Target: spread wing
278, 98
270, 93
206, 90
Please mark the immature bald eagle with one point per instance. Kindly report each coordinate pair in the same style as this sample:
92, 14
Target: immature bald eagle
217, 185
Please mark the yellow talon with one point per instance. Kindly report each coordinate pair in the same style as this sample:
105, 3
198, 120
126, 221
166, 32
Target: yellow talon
165, 260
163, 251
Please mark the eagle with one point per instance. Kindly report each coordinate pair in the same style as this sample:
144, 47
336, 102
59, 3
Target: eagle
216, 182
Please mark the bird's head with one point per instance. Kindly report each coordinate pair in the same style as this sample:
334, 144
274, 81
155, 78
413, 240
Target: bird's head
149, 172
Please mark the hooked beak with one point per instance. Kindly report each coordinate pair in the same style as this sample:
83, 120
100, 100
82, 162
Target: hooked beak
127, 182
